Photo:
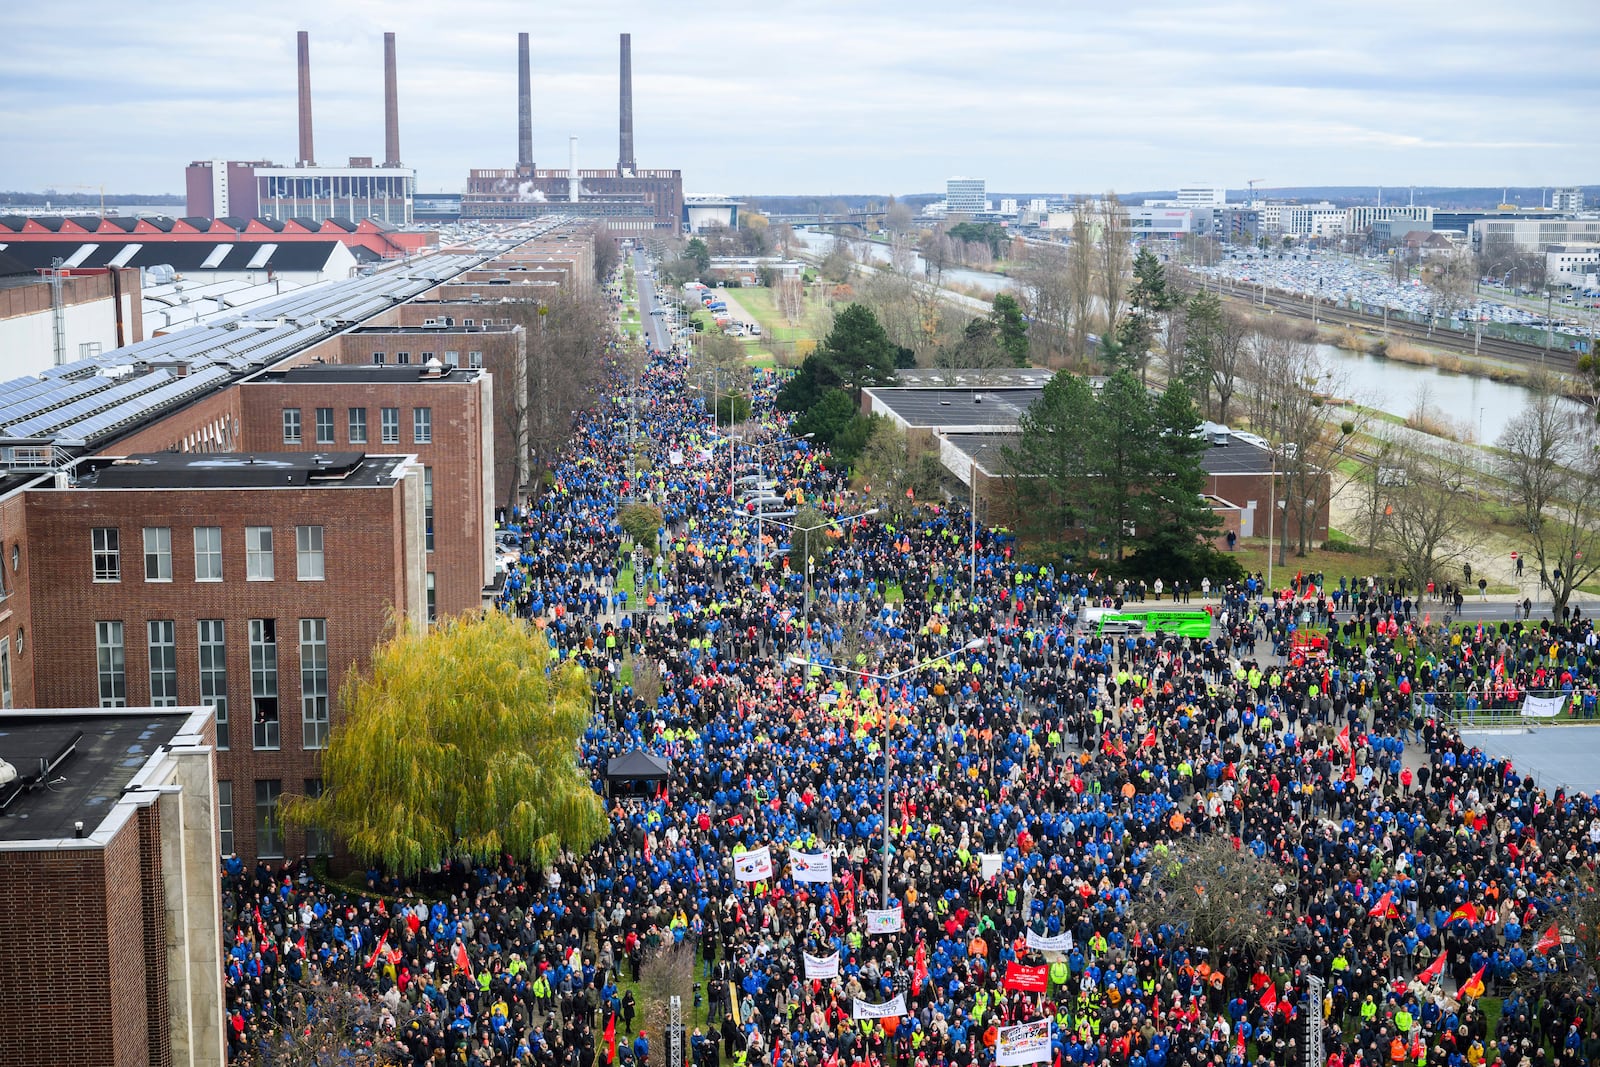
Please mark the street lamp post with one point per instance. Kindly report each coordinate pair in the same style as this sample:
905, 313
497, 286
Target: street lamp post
805, 579
801, 661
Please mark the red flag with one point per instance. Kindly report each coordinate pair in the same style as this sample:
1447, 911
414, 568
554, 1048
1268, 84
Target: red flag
1344, 740
1467, 911
1548, 940
1435, 969
1474, 985
919, 969
373, 959
1032, 979
261, 927
911, 494
1149, 739
301, 944
833, 1061
461, 959
611, 1037
1269, 999
1381, 909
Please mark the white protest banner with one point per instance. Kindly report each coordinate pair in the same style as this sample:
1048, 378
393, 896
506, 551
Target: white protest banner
806, 867
1543, 707
1027, 1043
1059, 943
991, 864
860, 1009
888, 921
675, 457
821, 966
753, 866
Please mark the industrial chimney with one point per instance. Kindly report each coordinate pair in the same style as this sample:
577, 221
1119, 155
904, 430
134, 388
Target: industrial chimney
391, 105
524, 108
625, 165
307, 156
572, 169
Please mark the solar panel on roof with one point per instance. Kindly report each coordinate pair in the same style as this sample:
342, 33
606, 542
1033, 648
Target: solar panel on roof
59, 420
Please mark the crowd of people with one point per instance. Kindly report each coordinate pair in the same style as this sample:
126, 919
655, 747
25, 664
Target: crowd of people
1040, 781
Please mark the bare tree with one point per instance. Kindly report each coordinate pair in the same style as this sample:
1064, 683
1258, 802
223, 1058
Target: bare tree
1046, 295
1114, 265
323, 1024
1225, 898
789, 294
1428, 520
1228, 359
1548, 460
1080, 284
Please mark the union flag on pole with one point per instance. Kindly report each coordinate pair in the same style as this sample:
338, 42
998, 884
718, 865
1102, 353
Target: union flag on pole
1435, 969
1383, 908
1548, 940
1474, 985
1467, 911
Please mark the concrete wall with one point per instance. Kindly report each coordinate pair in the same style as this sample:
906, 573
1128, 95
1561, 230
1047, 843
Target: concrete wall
90, 314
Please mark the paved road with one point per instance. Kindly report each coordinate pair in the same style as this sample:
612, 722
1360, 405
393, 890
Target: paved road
655, 330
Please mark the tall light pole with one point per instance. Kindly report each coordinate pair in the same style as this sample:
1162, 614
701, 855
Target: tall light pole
974, 645
805, 579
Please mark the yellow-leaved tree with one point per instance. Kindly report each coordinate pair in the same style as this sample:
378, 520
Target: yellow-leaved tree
459, 742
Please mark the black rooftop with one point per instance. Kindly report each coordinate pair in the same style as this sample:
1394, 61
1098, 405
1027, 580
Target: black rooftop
388, 374
236, 470
963, 407
86, 784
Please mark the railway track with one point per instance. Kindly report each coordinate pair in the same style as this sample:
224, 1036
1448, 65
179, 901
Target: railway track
1556, 359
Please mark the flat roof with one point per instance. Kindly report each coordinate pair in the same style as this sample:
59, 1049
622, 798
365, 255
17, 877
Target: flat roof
388, 374
985, 378
87, 784
984, 449
236, 470
958, 407
1238, 456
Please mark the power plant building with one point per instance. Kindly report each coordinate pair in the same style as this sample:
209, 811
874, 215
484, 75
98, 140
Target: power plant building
628, 199
359, 190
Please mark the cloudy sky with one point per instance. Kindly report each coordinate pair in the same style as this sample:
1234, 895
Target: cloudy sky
824, 96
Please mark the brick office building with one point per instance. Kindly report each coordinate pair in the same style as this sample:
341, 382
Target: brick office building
501, 349
443, 415
110, 911
248, 581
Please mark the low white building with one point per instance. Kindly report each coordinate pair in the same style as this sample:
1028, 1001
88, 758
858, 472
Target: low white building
1573, 265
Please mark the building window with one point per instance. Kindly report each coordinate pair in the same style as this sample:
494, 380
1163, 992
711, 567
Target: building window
214, 672
5, 672
319, 841
389, 425
452, 359
225, 817
314, 682
264, 681
422, 426
467, 322
358, 426
163, 644
269, 833
402, 357
427, 508
107, 542
433, 601
308, 553
258, 554
377, 359
291, 426
324, 426
475, 359
158, 553
208, 553
113, 667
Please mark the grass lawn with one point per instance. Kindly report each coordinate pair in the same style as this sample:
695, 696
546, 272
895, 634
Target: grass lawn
1252, 556
814, 323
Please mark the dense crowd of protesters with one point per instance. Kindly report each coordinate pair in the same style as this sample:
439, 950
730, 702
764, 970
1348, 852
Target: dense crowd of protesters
1083, 762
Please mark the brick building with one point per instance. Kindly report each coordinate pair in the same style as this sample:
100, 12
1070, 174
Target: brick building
110, 914
248, 581
99, 312
443, 415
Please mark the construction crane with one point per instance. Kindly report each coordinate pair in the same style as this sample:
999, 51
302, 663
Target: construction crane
1252, 183
99, 188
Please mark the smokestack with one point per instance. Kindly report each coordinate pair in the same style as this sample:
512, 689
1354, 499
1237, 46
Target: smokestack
625, 165
391, 105
307, 156
524, 108
572, 169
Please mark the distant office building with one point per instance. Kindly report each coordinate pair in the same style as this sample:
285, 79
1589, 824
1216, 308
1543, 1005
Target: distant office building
709, 212
1537, 234
221, 188
1008, 205
357, 191
1236, 225
1570, 200
1576, 267
1202, 196
1160, 221
965, 196
1358, 219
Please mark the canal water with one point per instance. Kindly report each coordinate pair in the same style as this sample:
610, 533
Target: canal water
1477, 408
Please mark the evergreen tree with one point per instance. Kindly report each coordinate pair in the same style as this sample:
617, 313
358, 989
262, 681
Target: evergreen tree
1121, 456
857, 352
1012, 328
1050, 463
